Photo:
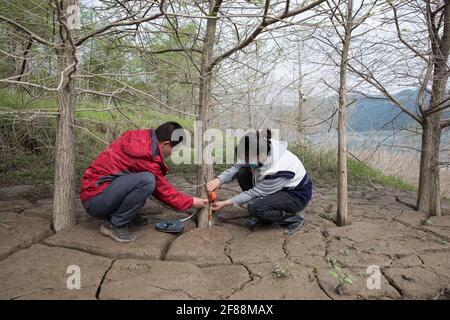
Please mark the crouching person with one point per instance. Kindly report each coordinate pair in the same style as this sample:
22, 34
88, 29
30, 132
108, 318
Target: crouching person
276, 186
119, 181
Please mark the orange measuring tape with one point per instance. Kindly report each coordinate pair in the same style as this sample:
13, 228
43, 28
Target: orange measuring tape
212, 196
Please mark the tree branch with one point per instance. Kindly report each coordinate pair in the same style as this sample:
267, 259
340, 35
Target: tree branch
445, 124
400, 37
24, 57
123, 22
369, 78
27, 31
261, 27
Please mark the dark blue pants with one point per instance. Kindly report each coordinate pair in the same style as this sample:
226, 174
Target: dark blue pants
121, 201
281, 206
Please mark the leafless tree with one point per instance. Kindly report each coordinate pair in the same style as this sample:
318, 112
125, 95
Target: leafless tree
65, 46
345, 17
418, 57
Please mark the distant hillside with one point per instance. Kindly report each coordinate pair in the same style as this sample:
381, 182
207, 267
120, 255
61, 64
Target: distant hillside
377, 113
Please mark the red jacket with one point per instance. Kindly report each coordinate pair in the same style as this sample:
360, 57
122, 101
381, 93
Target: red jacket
134, 151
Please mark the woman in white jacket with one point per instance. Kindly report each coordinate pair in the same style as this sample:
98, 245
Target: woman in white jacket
274, 182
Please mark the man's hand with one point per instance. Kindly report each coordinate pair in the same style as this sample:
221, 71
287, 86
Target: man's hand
218, 205
213, 185
199, 202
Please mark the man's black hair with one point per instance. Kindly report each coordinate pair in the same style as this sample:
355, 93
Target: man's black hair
164, 132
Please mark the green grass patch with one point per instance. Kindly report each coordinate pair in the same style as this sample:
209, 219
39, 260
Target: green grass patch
360, 173
24, 169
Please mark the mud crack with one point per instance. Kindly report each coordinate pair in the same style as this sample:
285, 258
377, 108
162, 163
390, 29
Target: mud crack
99, 289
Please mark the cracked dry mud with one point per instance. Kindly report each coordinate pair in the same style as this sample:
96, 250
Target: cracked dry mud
227, 261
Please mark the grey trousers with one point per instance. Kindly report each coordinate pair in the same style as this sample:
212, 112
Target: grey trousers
120, 202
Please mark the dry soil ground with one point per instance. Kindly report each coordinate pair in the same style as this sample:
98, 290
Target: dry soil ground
227, 261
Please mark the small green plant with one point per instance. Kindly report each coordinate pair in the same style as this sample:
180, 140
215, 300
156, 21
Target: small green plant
427, 222
280, 272
342, 279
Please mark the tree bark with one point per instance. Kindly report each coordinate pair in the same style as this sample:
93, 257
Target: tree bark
342, 210
64, 193
301, 98
205, 170
429, 198
300, 116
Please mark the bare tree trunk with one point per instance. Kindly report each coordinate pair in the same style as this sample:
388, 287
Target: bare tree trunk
429, 199
429, 184
300, 110
434, 183
63, 205
205, 90
423, 202
300, 116
342, 210
63, 202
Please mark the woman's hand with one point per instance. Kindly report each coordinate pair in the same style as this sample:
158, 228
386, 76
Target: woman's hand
218, 205
199, 203
213, 185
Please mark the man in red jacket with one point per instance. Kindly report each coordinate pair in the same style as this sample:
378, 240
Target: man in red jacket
118, 182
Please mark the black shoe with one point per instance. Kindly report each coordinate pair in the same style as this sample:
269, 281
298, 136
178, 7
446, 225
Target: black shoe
120, 234
281, 222
293, 226
140, 221
251, 223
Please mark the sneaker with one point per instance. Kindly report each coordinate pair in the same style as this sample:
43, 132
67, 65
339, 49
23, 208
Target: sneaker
120, 234
293, 227
251, 223
139, 221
